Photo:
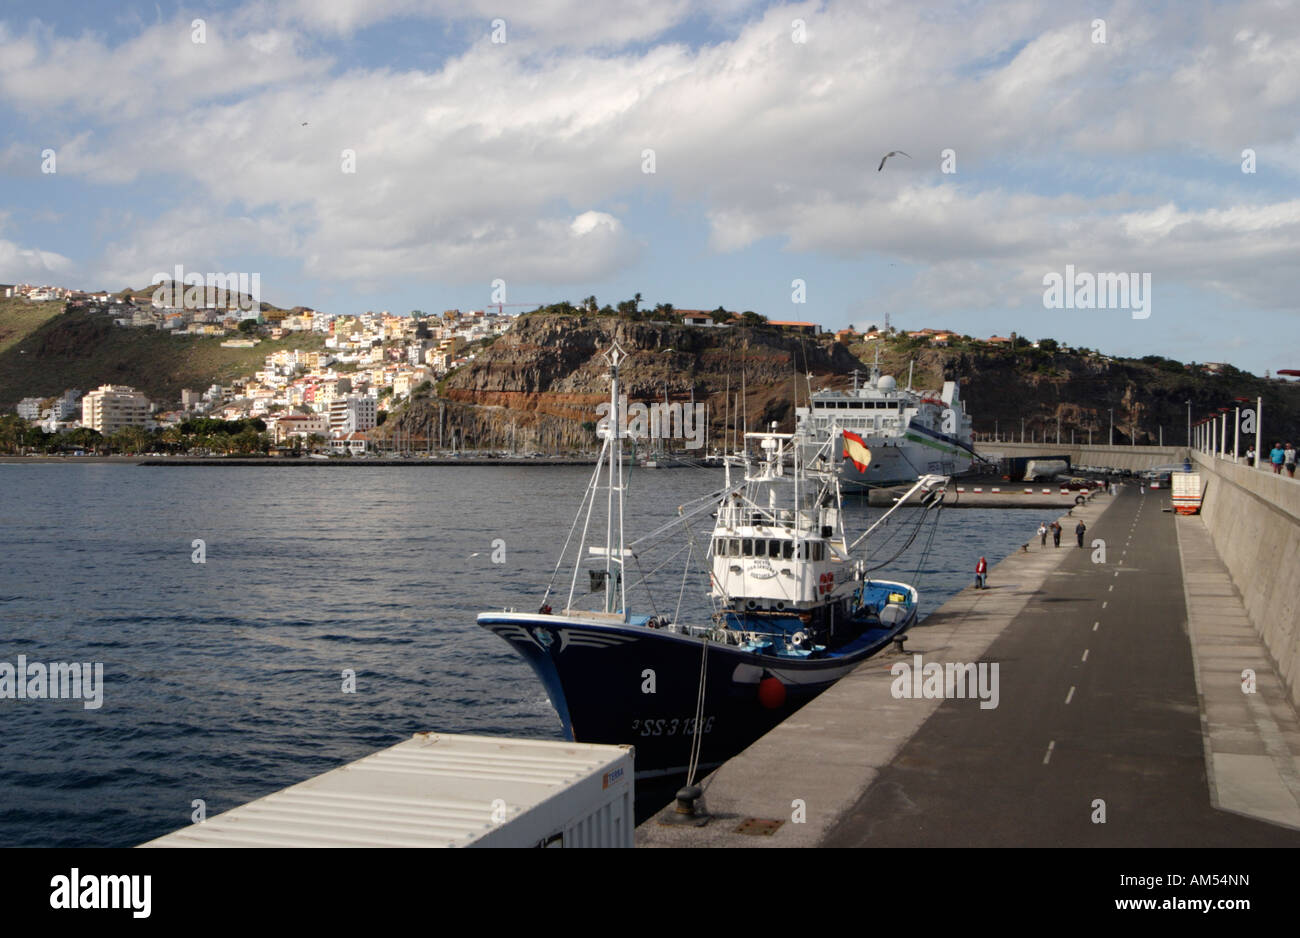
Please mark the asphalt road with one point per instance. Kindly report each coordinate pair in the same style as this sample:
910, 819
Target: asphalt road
1098, 702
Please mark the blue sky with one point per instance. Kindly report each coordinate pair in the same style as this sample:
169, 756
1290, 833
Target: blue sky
523, 160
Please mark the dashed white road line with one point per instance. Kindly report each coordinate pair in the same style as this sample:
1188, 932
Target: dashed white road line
1085, 655
1094, 626
1070, 694
1103, 605
1050, 747
1111, 588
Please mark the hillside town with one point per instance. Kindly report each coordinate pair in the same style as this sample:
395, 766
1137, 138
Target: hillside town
328, 396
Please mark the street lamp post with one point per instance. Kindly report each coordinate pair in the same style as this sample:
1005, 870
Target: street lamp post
1259, 432
1110, 440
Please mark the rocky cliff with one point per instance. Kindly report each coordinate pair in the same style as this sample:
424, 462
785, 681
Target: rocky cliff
538, 387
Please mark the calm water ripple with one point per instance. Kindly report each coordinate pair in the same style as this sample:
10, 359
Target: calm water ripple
222, 680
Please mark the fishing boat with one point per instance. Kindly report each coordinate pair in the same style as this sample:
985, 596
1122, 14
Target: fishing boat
793, 609
892, 435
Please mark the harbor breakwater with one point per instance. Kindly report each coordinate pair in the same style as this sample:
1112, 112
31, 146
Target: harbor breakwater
1134, 458
1254, 519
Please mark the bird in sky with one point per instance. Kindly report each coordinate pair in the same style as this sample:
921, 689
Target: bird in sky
304, 123
888, 155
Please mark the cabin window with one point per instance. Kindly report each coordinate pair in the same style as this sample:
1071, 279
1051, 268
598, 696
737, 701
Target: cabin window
734, 549
748, 549
787, 549
774, 548
819, 551
720, 547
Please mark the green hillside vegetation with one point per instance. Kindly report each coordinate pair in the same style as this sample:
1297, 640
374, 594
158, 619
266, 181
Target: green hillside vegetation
85, 350
19, 317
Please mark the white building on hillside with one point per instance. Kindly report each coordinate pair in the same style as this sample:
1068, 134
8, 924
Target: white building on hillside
110, 407
353, 414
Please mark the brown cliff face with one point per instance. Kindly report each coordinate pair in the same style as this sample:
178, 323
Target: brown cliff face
538, 386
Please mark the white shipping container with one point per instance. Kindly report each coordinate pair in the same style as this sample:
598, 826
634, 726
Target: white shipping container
443, 790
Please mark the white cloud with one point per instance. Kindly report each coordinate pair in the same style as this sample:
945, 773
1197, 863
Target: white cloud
31, 265
506, 160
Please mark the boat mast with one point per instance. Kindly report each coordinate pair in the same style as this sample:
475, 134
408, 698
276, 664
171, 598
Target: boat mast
726, 412
614, 592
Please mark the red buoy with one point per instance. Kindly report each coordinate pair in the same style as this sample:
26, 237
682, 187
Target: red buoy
771, 692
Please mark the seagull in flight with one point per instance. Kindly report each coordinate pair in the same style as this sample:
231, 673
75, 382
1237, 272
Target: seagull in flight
888, 155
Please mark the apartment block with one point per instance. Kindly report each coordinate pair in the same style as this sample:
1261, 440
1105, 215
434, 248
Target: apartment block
110, 407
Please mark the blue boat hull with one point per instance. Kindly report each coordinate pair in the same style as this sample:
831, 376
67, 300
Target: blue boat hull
620, 683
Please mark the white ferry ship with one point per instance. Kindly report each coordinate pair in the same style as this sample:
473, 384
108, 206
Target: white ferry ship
891, 435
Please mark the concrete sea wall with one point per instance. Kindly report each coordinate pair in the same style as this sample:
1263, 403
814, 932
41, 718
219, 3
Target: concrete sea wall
1135, 458
1254, 520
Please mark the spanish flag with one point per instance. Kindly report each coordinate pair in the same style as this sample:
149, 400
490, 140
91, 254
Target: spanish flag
855, 449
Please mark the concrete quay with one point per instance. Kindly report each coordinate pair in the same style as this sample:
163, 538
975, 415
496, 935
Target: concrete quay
1120, 696
1134, 458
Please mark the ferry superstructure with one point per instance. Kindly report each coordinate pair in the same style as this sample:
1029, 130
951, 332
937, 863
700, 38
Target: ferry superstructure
891, 435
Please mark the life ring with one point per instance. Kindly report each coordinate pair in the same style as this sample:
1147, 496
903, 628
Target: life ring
1080, 499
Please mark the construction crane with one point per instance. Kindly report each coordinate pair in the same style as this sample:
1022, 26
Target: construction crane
500, 307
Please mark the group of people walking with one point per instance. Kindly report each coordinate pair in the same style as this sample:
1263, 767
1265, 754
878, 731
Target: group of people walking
1053, 528
1044, 528
1283, 456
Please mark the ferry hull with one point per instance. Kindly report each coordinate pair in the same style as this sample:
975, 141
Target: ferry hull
628, 684
901, 463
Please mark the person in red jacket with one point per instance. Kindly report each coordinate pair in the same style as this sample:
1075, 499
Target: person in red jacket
981, 574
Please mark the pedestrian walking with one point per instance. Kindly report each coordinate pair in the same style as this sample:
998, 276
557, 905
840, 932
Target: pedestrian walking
1276, 457
1078, 530
1250, 456
1288, 457
1042, 533
981, 574
1056, 534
